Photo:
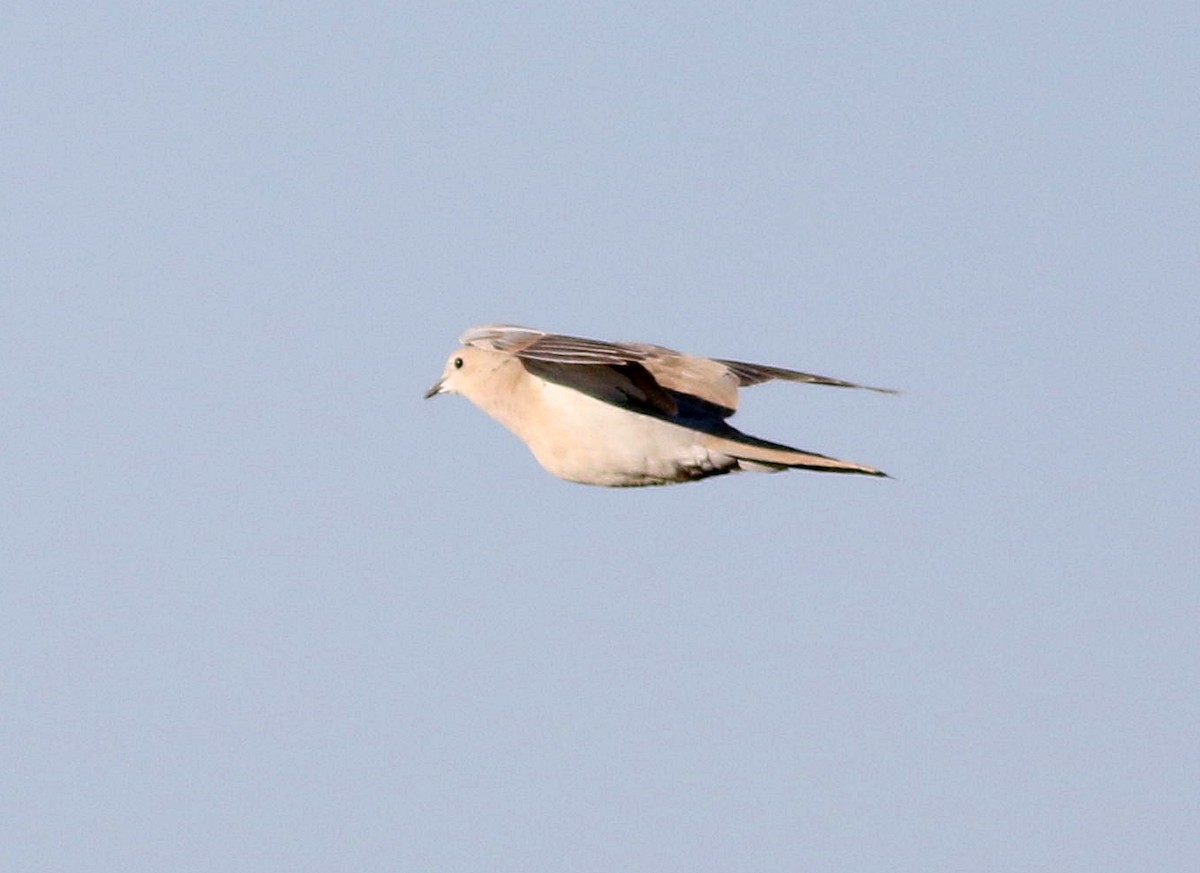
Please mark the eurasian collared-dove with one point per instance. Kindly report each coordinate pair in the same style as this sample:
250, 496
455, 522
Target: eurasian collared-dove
622, 414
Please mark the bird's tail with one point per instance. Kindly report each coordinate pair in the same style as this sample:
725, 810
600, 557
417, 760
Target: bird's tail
755, 454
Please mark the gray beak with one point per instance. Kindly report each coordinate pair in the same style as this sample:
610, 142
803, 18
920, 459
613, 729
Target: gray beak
436, 389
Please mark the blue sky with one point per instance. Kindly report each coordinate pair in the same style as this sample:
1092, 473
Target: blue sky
264, 608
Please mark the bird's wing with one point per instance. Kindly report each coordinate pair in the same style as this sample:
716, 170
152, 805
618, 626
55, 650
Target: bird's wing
653, 371
656, 372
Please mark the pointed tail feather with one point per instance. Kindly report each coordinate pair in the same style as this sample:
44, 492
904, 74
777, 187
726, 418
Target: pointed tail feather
756, 454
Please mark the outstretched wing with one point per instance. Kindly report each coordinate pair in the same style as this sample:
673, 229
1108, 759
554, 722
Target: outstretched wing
655, 371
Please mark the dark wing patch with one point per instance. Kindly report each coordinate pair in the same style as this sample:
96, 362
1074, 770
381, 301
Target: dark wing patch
627, 385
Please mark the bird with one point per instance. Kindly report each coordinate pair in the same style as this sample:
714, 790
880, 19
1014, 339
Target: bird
623, 414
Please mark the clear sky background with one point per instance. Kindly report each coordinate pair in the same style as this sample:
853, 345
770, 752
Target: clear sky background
263, 608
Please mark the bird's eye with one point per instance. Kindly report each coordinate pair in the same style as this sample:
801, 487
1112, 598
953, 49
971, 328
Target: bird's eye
458, 363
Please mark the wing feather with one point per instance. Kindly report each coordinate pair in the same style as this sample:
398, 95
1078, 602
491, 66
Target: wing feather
756, 374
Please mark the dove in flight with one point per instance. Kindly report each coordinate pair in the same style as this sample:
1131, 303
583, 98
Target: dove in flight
623, 414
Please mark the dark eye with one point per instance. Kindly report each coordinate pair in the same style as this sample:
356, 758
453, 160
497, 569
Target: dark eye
458, 363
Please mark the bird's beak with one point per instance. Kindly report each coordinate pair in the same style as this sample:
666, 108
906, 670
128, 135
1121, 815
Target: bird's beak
436, 389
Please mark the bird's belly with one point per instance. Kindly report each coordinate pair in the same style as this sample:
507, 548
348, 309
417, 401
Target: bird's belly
596, 443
